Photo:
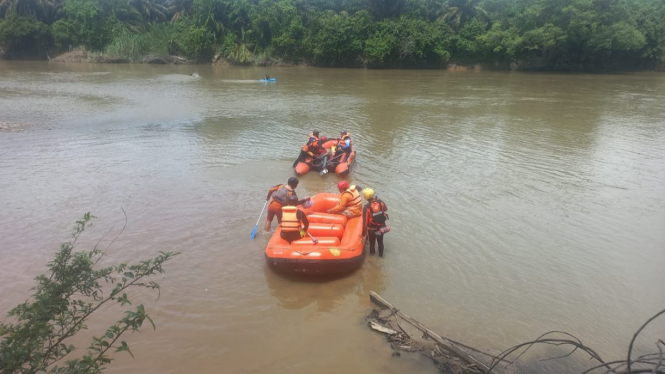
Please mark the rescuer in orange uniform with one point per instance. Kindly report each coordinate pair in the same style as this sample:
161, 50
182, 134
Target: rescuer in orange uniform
313, 147
294, 223
351, 204
374, 219
280, 196
344, 145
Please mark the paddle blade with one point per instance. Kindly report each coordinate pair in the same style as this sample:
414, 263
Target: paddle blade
253, 234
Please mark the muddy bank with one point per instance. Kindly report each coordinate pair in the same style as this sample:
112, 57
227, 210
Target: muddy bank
80, 55
10, 127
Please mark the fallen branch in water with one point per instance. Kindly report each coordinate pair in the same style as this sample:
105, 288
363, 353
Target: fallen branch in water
444, 352
449, 356
652, 359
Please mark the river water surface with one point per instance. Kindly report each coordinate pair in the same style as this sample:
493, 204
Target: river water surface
519, 204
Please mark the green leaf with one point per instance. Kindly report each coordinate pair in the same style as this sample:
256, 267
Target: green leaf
151, 322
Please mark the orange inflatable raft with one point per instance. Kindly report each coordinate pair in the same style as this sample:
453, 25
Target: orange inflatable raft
339, 248
340, 164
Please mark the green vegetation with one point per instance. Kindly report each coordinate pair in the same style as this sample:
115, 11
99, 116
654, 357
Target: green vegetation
39, 338
549, 34
157, 39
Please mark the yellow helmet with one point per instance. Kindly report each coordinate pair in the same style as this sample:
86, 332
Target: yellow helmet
368, 193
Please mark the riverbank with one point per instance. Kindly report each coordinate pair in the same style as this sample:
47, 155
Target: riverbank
83, 56
405, 35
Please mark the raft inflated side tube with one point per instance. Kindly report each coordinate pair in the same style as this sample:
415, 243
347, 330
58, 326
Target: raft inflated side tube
302, 168
342, 169
327, 218
323, 202
352, 157
307, 241
326, 230
329, 144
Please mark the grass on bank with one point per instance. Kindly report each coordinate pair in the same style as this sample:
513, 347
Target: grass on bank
157, 40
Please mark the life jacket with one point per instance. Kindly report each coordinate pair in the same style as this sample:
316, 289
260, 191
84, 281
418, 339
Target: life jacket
316, 139
281, 196
354, 205
312, 147
342, 141
377, 218
290, 222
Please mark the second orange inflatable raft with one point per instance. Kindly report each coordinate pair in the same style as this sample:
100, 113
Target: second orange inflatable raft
339, 248
340, 165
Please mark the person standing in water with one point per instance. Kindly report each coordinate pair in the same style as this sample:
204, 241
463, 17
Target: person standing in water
374, 220
280, 196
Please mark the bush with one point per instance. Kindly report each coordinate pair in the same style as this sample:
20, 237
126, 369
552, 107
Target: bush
157, 40
410, 41
62, 303
84, 25
340, 38
195, 42
25, 37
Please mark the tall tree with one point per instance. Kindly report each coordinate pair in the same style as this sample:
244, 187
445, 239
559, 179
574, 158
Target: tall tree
46, 11
458, 12
151, 10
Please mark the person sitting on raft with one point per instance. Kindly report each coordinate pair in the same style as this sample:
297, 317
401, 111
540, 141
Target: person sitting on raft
374, 219
315, 135
344, 145
351, 204
313, 148
266, 77
294, 223
280, 197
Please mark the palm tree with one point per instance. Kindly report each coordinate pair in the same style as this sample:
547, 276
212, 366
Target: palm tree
122, 11
151, 10
47, 11
458, 12
180, 8
240, 53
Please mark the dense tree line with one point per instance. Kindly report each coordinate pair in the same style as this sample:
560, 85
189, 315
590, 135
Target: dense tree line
552, 34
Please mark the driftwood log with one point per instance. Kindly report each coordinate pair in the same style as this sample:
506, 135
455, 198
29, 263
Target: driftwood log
420, 338
471, 363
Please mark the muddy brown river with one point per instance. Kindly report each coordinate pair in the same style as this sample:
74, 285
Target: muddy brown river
519, 203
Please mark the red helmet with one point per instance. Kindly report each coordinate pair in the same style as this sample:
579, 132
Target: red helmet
343, 185
323, 139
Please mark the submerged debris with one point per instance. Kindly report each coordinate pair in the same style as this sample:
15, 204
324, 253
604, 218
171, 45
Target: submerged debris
407, 335
451, 357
